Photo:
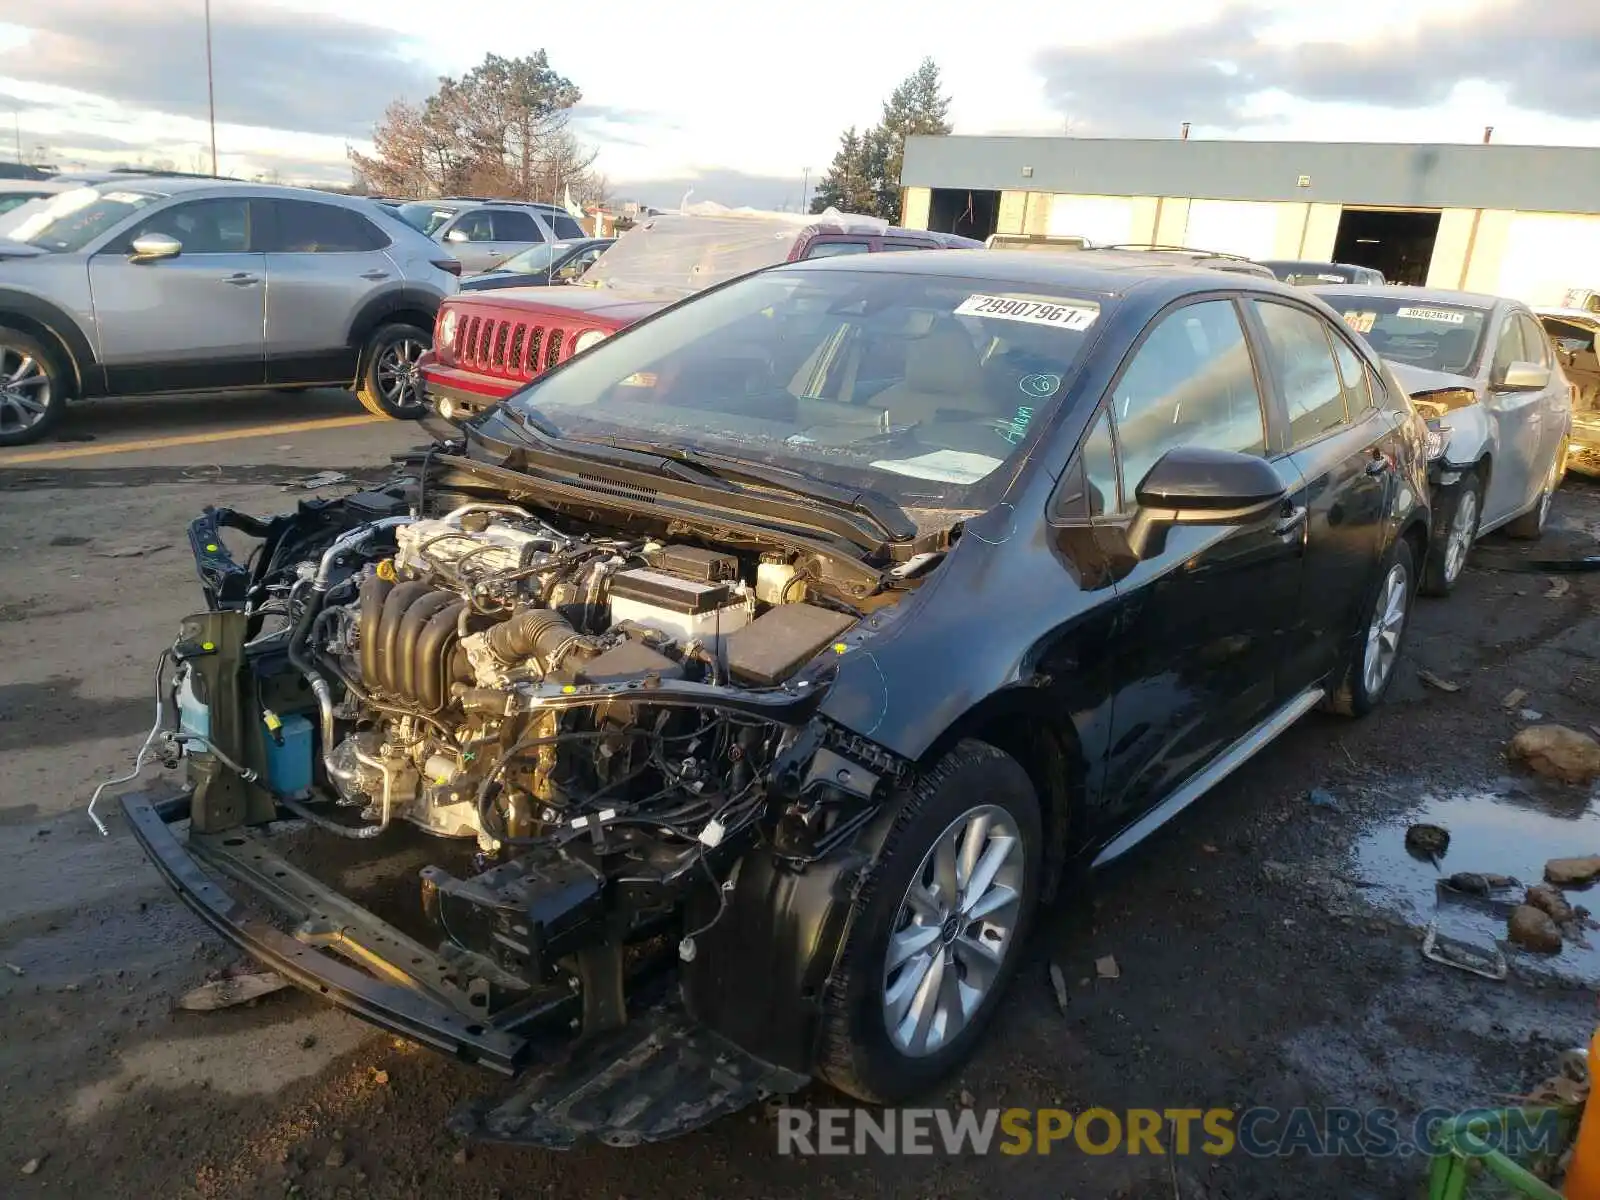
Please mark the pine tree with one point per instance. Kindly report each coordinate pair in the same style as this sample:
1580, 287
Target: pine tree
864, 176
850, 183
917, 106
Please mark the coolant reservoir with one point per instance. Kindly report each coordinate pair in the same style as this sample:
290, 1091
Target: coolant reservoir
194, 715
771, 580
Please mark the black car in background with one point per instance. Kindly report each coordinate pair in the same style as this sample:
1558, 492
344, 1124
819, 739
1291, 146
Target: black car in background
797, 641
543, 265
1312, 274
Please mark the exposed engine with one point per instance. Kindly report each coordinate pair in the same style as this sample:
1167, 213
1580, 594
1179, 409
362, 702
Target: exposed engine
517, 684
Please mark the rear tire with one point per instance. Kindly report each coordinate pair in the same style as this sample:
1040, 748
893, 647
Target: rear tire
33, 388
873, 1045
1458, 521
1364, 683
391, 385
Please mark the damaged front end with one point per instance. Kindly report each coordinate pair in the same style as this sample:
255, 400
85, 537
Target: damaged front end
613, 740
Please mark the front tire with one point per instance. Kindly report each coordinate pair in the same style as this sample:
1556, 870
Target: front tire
938, 930
1460, 518
391, 384
33, 388
1370, 669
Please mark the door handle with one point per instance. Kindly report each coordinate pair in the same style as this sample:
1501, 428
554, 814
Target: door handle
242, 279
374, 275
1290, 521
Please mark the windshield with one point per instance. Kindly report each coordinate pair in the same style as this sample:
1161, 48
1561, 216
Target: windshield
536, 260
419, 214
71, 220
1436, 337
917, 386
679, 255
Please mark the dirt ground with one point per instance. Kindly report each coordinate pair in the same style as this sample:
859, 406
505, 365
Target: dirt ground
1267, 941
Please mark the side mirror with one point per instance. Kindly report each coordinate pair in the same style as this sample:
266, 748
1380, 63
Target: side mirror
1523, 377
1209, 487
152, 247
456, 235
1192, 485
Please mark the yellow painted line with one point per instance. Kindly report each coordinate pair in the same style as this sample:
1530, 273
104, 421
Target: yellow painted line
185, 439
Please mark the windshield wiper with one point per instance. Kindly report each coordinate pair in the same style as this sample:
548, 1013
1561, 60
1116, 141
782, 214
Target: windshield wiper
641, 455
882, 512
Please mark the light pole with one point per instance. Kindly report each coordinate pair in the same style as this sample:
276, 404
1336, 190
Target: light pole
805, 189
211, 90
16, 126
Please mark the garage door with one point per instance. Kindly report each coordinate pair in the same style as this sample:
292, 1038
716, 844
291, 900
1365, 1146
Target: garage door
1233, 227
1547, 253
1101, 219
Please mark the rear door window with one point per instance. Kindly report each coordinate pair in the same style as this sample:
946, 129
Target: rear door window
305, 227
1301, 355
512, 226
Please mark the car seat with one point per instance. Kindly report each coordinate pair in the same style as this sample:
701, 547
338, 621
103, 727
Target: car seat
942, 375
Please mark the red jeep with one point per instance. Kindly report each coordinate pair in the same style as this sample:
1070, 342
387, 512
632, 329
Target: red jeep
487, 345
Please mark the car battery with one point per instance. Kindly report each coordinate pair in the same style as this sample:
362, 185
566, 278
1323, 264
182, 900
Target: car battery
685, 609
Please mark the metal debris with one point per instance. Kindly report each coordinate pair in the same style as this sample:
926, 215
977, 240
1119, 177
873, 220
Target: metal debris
321, 479
1106, 968
1487, 961
232, 990
1513, 698
1558, 588
14, 969
1059, 982
1436, 682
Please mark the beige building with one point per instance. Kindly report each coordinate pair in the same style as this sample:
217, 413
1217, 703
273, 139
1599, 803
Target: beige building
1521, 221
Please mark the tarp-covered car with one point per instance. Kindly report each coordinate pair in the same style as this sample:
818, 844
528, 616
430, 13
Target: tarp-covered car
734, 693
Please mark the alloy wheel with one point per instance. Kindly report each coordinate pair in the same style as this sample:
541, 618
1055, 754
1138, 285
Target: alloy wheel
24, 390
1463, 525
1383, 635
399, 374
956, 925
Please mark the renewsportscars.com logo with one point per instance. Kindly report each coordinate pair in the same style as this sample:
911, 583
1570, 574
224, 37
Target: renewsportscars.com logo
1258, 1132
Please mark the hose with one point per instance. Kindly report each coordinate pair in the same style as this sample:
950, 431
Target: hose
139, 758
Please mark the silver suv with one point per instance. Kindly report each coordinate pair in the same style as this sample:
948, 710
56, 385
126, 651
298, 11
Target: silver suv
484, 233
147, 284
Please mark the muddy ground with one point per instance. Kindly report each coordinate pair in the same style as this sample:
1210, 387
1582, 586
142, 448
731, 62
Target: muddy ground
1268, 943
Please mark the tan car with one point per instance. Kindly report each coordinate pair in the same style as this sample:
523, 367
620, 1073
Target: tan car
1573, 331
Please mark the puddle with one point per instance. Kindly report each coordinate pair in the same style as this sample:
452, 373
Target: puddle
1509, 828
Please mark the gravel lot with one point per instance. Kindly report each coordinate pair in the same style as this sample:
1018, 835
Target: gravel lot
1268, 944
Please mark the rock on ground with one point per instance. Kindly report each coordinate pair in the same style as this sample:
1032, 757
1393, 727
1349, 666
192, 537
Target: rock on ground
1533, 929
1572, 872
1558, 752
1550, 901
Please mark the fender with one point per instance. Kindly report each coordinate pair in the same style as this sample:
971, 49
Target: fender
60, 325
384, 305
1472, 434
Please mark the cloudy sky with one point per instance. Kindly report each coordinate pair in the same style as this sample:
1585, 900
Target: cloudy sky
736, 99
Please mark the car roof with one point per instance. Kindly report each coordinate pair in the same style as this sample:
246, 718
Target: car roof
1109, 272
37, 187
1426, 295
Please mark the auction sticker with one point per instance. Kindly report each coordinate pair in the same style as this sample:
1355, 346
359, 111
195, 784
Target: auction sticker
1361, 322
1443, 315
1033, 312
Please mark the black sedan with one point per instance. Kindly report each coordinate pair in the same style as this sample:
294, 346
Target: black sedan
543, 265
798, 642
